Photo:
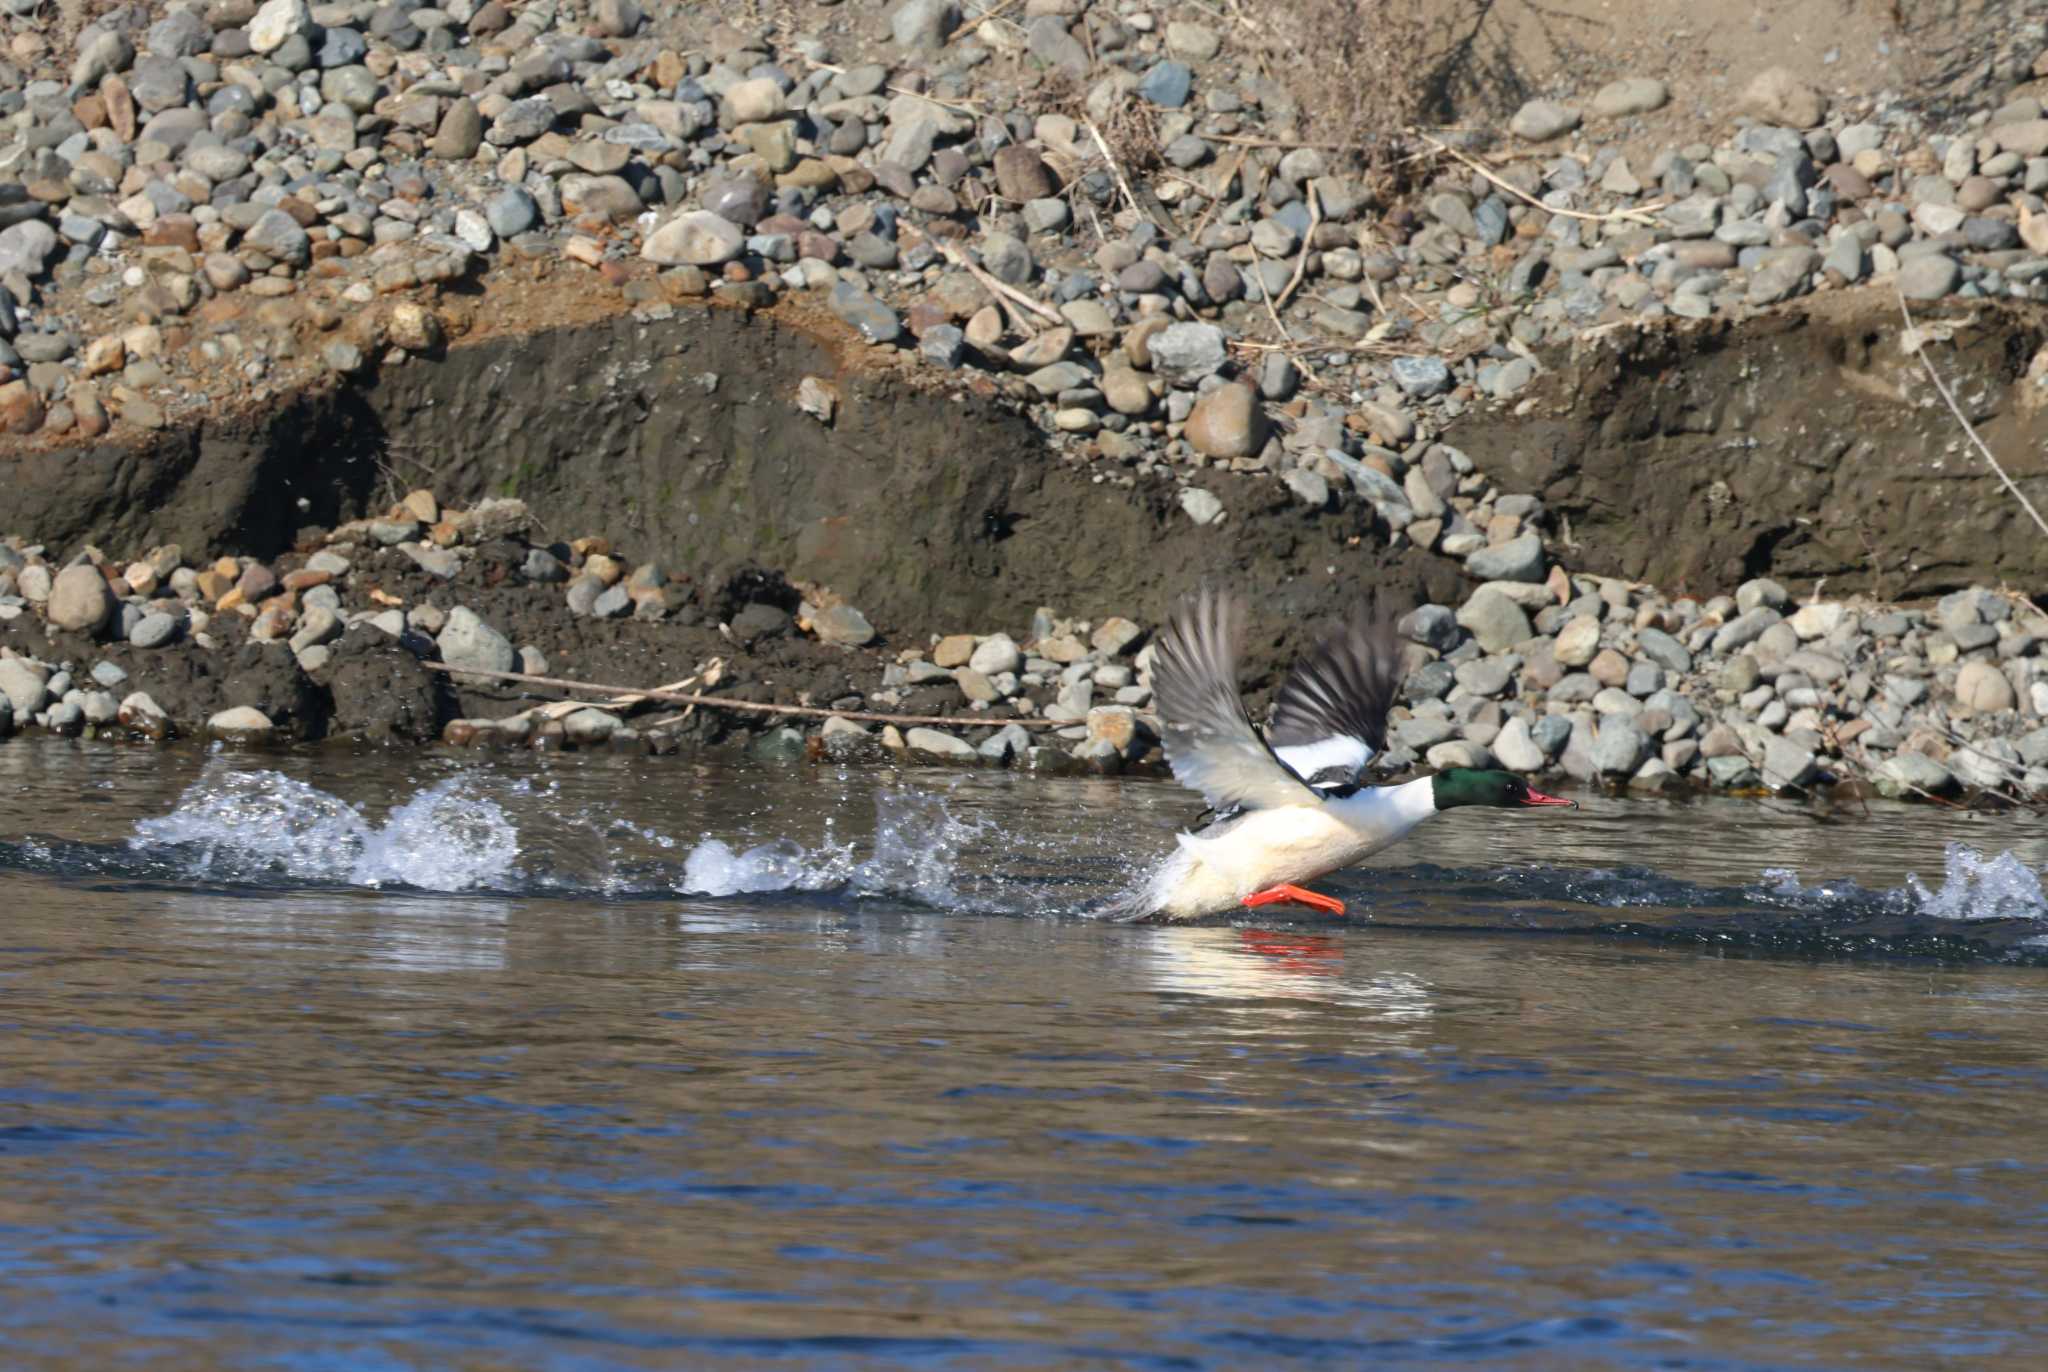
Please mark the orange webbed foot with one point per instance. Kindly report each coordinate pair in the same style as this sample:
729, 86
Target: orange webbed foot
1295, 895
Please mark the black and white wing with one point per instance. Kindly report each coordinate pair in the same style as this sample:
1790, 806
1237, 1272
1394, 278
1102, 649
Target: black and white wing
1330, 717
1209, 739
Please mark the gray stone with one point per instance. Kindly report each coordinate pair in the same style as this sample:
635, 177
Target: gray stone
1929, 276
243, 723
1744, 630
1486, 676
589, 726
613, 602
922, 25
80, 600
1551, 733
1664, 650
1516, 749
933, 743
26, 247
1630, 95
275, 22
1010, 741
153, 630
1786, 763
1542, 120
1497, 622
1186, 353
1421, 376
1904, 773
23, 685
696, 238
1309, 487
994, 655
511, 212
1519, 559
1167, 85
1619, 747
844, 626
1200, 505
279, 235
466, 641
1433, 626
943, 345
874, 321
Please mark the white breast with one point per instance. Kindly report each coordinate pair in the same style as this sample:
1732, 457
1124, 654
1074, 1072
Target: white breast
1214, 872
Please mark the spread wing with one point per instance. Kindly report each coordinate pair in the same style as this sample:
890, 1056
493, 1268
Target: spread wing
1208, 737
1330, 717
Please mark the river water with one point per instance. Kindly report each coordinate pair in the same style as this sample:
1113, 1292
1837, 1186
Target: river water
320, 1061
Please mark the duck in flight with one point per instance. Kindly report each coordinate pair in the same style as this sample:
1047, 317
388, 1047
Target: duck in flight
1294, 804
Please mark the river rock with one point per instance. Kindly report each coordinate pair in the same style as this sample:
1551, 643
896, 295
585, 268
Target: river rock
1186, 353
756, 101
1542, 120
23, 684
922, 25
994, 655
275, 23
696, 238
1518, 559
1516, 748
242, 724
1577, 641
154, 630
1912, 772
1980, 688
844, 626
935, 744
1929, 276
1227, 422
1201, 506
1494, 620
80, 600
1630, 95
1619, 747
467, 642
1787, 763
1777, 96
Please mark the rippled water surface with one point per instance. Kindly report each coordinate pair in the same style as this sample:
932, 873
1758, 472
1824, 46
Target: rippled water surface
333, 1061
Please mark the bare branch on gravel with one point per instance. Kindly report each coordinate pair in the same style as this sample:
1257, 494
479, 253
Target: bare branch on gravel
1634, 214
728, 703
1001, 290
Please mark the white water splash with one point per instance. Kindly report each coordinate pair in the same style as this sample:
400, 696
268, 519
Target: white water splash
245, 824
918, 846
1977, 887
1973, 886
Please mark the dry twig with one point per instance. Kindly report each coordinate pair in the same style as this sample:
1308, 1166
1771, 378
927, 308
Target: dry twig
728, 703
1635, 214
998, 288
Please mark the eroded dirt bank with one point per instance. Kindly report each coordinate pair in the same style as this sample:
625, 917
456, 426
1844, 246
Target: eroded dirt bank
1801, 445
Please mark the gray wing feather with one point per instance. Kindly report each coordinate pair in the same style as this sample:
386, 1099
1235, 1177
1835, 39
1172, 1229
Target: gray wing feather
1208, 737
1341, 692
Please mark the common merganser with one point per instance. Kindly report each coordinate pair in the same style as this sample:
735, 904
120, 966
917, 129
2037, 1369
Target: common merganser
1293, 805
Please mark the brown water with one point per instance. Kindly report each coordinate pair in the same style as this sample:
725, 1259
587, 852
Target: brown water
267, 1103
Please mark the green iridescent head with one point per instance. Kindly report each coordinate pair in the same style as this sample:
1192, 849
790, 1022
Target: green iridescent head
1455, 786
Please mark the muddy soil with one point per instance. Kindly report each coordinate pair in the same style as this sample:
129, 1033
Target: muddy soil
1802, 445
680, 441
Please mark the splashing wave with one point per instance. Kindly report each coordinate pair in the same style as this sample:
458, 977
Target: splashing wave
243, 825
931, 848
